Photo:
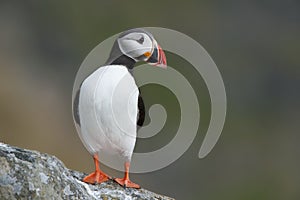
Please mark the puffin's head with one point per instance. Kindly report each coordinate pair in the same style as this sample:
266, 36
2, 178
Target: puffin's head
140, 45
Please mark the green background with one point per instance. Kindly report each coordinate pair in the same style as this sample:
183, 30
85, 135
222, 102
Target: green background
255, 44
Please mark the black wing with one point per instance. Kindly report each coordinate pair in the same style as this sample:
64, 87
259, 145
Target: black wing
75, 107
141, 111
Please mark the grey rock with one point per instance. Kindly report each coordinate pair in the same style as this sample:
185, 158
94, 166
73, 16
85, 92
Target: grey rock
26, 174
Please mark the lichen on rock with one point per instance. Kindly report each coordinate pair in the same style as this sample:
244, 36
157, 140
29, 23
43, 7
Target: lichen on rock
26, 174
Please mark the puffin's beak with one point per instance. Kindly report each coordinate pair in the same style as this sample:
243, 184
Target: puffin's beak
162, 61
158, 57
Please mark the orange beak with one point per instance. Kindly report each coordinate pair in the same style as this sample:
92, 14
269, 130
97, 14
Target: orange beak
158, 57
162, 60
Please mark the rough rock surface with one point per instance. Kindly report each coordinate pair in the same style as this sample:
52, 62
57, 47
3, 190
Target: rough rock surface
26, 174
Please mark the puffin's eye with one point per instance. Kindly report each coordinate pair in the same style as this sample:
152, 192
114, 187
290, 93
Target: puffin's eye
141, 40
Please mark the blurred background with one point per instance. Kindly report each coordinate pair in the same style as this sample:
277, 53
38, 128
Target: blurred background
255, 44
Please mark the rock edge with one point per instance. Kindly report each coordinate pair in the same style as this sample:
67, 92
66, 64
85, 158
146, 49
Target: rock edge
26, 174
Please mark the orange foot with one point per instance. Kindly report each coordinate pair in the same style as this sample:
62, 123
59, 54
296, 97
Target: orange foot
126, 183
96, 177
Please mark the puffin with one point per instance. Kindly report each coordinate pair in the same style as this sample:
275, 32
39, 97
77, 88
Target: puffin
109, 108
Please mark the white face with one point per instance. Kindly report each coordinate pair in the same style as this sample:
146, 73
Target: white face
135, 45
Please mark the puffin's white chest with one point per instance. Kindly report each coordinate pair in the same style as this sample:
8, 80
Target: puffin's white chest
108, 111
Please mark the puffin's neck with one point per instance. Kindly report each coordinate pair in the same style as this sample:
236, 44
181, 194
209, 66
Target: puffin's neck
123, 60
116, 57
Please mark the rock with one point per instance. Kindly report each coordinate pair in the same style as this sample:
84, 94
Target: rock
26, 174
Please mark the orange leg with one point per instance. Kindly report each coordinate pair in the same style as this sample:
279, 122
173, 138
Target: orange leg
125, 181
98, 176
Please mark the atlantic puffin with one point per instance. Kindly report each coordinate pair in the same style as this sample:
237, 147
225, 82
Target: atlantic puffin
108, 106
